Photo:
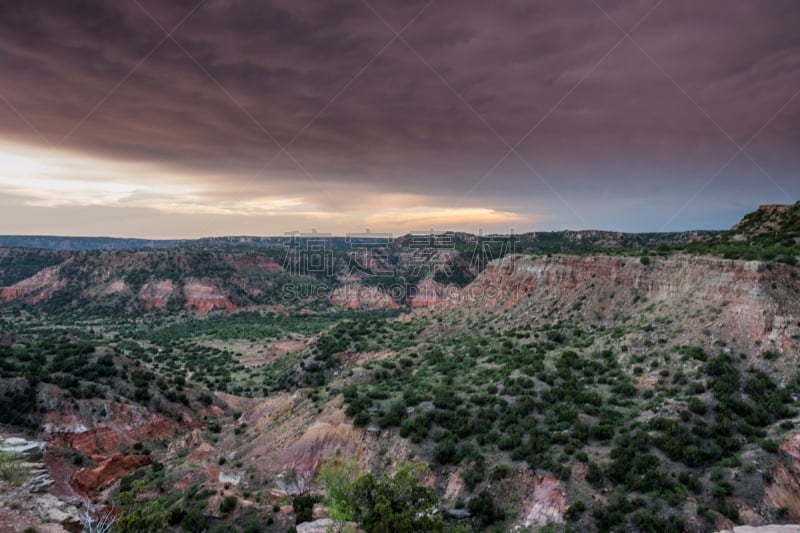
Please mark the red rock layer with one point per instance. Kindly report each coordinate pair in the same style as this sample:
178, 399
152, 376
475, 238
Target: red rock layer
115, 467
760, 300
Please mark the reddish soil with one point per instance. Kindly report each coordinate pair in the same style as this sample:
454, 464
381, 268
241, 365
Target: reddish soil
87, 480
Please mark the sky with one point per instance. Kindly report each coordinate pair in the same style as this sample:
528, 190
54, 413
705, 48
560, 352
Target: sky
192, 118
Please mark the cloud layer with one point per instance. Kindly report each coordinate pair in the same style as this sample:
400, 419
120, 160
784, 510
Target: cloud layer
369, 111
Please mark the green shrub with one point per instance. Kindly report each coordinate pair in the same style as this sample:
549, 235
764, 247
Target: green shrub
228, 504
253, 525
575, 511
303, 508
501, 471
12, 469
361, 419
144, 516
474, 475
194, 521
483, 509
445, 452
770, 445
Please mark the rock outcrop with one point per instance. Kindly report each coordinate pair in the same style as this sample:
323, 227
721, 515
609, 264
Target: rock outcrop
156, 294
17, 446
783, 492
36, 287
88, 480
547, 504
759, 300
204, 297
32, 490
119, 424
428, 292
357, 296
318, 526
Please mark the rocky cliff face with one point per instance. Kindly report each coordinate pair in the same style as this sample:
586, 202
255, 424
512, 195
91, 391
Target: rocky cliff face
747, 300
88, 480
357, 296
138, 282
31, 497
428, 292
103, 431
155, 294
204, 297
34, 288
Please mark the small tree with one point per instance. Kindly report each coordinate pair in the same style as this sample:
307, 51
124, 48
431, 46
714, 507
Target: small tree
485, 511
396, 503
228, 505
147, 517
338, 476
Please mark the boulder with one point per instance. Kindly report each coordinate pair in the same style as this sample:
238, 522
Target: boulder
320, 526
459, 514
22, 447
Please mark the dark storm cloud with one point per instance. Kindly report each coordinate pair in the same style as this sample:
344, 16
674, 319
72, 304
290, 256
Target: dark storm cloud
415, 118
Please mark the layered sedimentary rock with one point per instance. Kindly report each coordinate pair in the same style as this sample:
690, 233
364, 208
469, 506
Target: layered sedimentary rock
756, 299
